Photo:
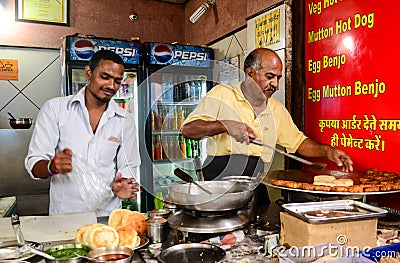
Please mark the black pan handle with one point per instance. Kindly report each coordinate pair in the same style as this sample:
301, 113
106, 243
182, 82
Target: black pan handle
183, 175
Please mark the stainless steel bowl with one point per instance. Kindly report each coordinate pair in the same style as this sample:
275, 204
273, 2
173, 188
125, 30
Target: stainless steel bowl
111, 254
65, 253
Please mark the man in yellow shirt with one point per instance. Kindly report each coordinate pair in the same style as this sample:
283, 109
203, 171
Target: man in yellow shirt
233, 116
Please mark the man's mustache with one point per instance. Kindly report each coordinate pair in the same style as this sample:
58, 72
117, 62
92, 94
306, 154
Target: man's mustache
270, 88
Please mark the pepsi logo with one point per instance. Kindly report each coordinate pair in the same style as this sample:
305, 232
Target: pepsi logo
84, 48
162, 53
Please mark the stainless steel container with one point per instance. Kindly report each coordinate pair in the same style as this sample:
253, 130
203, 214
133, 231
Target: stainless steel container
157, 229
164, 213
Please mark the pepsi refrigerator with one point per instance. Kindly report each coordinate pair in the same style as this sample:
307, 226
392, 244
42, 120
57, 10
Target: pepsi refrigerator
76, 52
177, 77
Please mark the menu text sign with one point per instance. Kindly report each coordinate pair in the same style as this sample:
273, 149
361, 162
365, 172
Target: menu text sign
351, 92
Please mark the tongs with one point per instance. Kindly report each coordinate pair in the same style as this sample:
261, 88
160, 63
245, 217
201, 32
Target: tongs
315, 166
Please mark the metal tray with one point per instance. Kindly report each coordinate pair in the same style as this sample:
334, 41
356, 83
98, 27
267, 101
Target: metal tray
333, 211
192, 253
307, 176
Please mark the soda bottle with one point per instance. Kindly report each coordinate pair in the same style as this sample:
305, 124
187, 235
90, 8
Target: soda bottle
182, 146
153, 120
157, 148
189, 153
171, 148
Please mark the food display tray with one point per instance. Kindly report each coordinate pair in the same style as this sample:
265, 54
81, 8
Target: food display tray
307, 176
333, 211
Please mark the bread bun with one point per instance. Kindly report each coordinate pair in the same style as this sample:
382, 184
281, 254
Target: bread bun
326, 180
136, 220
80, 232
343, 182
86, 232
128, 236
116, 216
102, 236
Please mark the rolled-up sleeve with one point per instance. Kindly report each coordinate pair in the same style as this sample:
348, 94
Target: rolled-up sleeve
44, 140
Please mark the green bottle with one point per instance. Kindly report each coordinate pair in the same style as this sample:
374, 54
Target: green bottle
189, 153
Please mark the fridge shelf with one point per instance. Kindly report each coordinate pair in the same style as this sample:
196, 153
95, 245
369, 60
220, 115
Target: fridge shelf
178, 103
167, 132
181, 160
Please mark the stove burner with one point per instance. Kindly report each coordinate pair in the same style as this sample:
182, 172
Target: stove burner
226, 222
195, 213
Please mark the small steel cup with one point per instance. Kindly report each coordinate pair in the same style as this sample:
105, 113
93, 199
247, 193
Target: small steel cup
156, 229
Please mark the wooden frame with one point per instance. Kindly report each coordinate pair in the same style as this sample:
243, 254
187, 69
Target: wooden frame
54, 12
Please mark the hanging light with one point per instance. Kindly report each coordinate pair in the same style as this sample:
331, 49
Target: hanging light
201, 10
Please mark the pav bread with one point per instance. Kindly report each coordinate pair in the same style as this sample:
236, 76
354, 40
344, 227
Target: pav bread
136, 220
128, 236
326, 180
116, 216
343, 182
80, 232
101, 236
85, 233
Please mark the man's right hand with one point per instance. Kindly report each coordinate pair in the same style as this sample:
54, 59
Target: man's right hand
239, 130
62, 162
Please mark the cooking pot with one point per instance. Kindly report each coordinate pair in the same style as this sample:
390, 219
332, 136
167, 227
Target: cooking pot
226, 195
20, 123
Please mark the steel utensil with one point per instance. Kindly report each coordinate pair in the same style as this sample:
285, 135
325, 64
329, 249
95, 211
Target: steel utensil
188, 179
37, 252
315, 166
12, 117
227, 195
17, 229
87, 258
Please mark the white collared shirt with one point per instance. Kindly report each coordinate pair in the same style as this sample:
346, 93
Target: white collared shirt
64, 123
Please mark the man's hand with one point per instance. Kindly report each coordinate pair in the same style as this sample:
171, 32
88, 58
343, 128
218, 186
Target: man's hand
125, 187
62, 162
341, 159
238, 130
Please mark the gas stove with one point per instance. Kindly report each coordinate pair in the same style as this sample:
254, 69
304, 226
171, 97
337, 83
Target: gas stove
194, 226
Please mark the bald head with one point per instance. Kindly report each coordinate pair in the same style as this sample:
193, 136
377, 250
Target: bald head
260, 56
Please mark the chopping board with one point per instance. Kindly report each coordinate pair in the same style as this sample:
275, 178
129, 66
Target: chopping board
47, 228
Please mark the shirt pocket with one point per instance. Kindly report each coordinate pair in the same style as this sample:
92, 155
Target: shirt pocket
107, 153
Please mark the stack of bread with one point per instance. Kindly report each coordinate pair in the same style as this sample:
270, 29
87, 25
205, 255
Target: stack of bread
123, 229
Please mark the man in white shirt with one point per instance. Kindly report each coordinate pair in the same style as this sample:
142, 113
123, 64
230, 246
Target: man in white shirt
91, 126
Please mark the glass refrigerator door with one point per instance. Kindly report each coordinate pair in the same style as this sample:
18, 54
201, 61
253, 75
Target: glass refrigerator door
173, 97
123, 96
78, 80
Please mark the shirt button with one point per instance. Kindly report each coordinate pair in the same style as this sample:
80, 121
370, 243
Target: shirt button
265, 128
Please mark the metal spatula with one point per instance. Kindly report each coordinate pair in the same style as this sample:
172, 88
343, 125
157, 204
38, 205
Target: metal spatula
315, 166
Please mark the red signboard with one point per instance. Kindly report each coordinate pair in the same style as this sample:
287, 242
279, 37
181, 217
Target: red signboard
352, 87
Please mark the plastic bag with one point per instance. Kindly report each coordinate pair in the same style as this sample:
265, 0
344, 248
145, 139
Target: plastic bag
91, 185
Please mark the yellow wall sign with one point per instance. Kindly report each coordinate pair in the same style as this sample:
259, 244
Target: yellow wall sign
43, 11
267, 29
8, 69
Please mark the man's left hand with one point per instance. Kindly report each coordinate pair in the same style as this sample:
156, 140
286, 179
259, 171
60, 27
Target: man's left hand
125, 187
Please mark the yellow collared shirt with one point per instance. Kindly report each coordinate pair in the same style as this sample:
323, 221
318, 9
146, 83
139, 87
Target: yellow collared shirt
273, 126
